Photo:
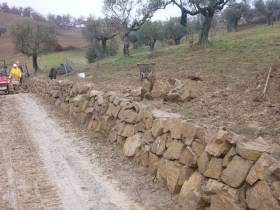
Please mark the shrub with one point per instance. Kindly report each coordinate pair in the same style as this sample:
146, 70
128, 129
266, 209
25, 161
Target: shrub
2, 31
95, 50
112, 48
92, 53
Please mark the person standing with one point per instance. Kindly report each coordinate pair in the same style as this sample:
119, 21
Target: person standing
4, 71
52, 73
15, 73
21, 69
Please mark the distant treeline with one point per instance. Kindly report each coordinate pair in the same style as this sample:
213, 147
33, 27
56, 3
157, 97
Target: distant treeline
59, 20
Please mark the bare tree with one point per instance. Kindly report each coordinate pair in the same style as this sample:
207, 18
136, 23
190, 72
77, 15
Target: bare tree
131, 14
33, 39
207, 8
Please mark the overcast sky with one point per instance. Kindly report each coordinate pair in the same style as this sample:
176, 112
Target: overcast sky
79, 7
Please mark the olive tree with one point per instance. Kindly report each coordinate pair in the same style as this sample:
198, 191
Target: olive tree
131, 14
33, 39
101, 30
175, 31
150, 33
233, 13
207, 8
268, 9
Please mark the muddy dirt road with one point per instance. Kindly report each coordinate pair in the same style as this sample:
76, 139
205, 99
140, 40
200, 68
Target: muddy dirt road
48, 162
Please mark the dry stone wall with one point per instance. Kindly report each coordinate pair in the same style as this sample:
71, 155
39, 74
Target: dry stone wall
211, 168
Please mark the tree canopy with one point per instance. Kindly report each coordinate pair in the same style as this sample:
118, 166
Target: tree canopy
101, 30
131, 14
175, 31
234, 12
207, 8
150, 33
268, 8
33, 39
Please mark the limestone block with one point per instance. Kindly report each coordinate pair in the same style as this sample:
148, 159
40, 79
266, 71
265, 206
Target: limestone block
252, 150
159, 145
147, 137
176, 128
189, 132
197, 147
160, 87
203, 162
260, 170
236, 172
190, 194
219, 145
148, 119
260, 197
275, 169
132, 144
158, 126
229, 156
128, 131
153, 163
214, 168
188, 157
142, 157
220, 202
174, 150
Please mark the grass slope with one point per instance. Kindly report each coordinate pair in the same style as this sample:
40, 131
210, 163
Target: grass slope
229, 53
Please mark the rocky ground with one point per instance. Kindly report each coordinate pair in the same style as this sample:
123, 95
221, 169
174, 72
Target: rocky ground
47, 162
223, 100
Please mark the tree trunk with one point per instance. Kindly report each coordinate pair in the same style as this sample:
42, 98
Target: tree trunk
177, 41
35, 63
152, 44
269, 19
229, 27
208, 18
104, 45
126, 45
234, 25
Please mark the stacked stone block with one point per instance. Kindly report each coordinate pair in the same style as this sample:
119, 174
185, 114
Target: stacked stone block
210, 168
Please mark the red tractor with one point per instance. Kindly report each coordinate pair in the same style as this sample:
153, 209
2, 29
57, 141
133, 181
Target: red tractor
4, 84
4, 79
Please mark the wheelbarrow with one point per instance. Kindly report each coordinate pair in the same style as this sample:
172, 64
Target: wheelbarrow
145, 70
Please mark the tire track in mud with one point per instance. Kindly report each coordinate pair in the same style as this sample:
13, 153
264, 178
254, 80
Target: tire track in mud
48, 163
24, 184
80, 183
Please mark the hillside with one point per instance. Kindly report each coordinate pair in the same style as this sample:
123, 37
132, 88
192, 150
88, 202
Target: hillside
233, 72
66, 38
